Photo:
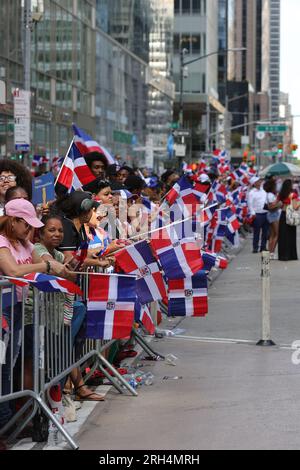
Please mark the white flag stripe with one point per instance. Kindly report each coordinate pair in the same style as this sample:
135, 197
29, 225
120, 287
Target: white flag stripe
180, 293
136, 256
108, 324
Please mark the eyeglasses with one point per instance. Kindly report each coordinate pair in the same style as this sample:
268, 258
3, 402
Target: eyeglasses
9, 179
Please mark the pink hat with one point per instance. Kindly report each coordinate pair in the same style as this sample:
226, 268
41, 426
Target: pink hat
24, 210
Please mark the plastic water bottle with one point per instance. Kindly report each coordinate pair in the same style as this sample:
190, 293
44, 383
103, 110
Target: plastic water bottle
133, 382
148, 379
55, 401
55, 438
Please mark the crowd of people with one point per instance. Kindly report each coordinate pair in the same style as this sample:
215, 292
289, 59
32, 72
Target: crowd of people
268, 203
47, 239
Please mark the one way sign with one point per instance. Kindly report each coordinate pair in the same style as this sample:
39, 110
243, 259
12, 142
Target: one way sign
182, 133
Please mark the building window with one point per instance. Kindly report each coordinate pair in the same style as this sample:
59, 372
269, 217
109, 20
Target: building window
196, 44
177, 7
186, 7
176, 43
203, 83
186, 43
196, 6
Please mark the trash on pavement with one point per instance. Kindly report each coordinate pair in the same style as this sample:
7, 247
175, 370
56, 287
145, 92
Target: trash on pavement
171, 360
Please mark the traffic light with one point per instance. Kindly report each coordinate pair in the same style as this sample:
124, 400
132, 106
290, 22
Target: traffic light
280, 148
245, 156
294, 148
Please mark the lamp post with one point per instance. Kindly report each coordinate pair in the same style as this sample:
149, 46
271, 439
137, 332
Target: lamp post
183, 65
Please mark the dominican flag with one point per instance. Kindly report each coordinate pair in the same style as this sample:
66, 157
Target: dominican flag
110, 307
143, 315
220, 192
212, 260
86, 144
180, 189
46, 283
179, 257
219, 230
81, 253
233, 223
138, 259
74, 172
36, 161
188, 297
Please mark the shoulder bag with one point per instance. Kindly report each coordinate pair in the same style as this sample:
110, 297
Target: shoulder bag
292, 216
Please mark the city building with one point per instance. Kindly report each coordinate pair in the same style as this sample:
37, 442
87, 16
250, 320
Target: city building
250, 26
62, 77
145, 27
286, 117
81, 74
196, 32
274, 62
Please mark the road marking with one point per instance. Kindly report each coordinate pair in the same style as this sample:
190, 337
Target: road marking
212, 340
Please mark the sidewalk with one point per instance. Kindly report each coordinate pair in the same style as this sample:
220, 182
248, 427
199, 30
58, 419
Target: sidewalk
228, 395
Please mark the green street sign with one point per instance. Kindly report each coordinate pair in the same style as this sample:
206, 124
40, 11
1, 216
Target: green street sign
272, 129
122, 137
175, 125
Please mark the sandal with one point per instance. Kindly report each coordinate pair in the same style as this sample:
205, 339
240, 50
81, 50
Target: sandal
89, 396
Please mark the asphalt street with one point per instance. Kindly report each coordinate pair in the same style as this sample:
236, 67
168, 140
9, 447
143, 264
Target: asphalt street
224, 392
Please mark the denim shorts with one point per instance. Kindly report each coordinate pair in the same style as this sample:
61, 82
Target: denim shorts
273, 217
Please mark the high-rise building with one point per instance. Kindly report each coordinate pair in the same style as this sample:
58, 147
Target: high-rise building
250, 25
274, 62
145, 27
196, 32
81, 74
62, 75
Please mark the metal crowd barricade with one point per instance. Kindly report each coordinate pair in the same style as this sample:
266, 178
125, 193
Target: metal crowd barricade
53, 358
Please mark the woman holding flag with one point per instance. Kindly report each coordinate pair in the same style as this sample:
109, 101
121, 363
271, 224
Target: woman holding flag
17, 258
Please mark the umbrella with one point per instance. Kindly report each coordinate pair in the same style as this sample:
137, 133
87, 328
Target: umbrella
281, 169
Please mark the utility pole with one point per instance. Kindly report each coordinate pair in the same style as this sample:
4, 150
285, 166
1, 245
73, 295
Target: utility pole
27, 60
182, 54
27, 44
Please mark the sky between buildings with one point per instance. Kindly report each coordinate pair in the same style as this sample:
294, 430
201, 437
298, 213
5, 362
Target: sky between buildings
290, 59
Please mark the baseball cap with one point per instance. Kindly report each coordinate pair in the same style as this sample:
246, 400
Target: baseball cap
124, 194
83, 201
23, 209
204, 178
254, 180
153, 182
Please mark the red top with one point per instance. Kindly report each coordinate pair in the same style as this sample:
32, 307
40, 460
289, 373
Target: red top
291, 198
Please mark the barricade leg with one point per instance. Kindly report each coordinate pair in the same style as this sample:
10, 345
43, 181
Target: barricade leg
26, 421
146, 347
107, 364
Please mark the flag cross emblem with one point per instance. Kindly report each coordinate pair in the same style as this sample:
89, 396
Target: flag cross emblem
188, 293
145, 271
110, 305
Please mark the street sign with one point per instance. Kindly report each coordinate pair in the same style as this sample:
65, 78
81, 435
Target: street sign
180, 150
245, 140
260, 135
272, 129
175, 125
22, 119
182, 133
